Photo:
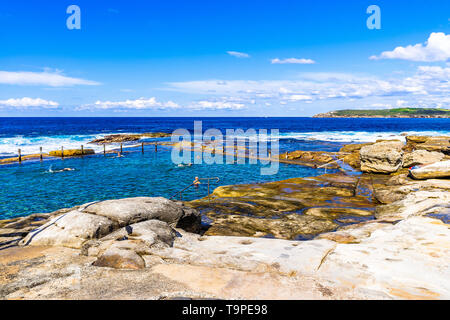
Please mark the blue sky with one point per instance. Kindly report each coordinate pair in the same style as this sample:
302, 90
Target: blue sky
221, 58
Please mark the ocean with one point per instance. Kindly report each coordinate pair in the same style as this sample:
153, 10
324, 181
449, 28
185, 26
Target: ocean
35, 187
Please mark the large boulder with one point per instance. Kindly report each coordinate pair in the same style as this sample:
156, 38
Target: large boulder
133, 210
120, 256
149, 220
436, 170
382, 157
420, 157
70, 230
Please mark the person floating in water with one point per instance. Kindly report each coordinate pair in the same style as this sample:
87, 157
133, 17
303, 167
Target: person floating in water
196, 182
185, 165
119, 155
62, 170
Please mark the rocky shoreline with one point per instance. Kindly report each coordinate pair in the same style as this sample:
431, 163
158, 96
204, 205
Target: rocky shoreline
381, 232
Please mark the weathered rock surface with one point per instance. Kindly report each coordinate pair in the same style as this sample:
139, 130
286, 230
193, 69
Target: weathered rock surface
311, 158
420, 157
436, 170
120, 256
147, 219
382, 157
71, 229
132, 210
71, 153
437, 144
290, 209
351, 154
398, 187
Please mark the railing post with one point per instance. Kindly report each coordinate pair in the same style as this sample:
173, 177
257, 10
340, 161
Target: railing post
82, 150
142, 148
62, 152
156, 147
209, 199
40, 153
104, 150
121, 147
20, 156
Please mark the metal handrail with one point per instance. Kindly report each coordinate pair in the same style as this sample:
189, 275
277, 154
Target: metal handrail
182, 190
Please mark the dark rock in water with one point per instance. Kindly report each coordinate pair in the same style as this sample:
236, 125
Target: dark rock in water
117, 138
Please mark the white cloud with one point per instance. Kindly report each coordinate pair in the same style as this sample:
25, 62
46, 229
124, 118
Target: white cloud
428, 86
28, 102
299, 97
238, 54
217, 105
138, 104
46, 78
292, 61
437, 48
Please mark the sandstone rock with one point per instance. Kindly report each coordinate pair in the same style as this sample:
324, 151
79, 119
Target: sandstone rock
438, 144
382, 157
147, 234
71, 230
416, 139
419, 203
152, 233
310, 158
353, 159
120, 258
132, 210
71, 153
435, 170
292, 226
145, 219
398, 187
420, 157
349, 148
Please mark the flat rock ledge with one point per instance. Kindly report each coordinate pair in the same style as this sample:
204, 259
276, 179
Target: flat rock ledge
135, 249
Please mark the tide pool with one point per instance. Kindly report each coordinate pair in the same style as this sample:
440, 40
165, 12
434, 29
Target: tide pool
35, 187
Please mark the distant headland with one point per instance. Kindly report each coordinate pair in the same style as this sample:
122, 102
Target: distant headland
388, 113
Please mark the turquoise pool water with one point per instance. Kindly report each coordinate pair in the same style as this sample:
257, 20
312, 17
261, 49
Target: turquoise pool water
32, 188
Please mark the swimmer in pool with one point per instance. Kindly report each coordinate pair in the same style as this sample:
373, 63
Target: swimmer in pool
62, 170
196, 182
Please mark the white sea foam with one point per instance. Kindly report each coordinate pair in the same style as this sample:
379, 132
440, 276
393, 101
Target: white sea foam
357, 136
347, 136
30, 145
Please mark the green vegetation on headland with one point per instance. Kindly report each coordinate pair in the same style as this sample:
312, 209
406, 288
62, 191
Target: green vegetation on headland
388, 113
